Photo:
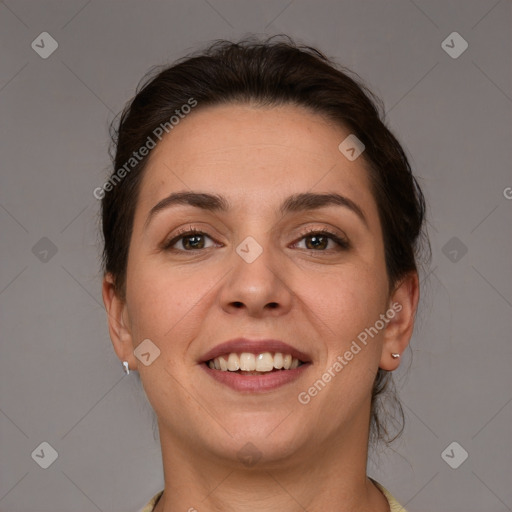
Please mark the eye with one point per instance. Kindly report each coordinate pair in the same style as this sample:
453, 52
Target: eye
319, 241
190, 240
315, 240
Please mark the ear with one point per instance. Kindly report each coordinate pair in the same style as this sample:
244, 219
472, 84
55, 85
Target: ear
118, 322
401, 314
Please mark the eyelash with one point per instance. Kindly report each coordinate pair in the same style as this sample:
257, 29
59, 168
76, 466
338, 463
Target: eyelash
342, 243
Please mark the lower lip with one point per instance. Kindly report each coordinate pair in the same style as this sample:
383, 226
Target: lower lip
256, 383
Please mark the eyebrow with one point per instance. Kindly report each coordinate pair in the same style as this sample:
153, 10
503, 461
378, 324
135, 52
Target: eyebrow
306, 201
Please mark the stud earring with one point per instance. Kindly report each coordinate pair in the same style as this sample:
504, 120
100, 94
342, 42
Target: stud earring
126, 367
395, 356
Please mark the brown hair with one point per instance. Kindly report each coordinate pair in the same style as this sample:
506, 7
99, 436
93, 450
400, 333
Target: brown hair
272, 72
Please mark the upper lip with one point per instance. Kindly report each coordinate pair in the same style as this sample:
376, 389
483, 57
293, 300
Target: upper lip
239, 345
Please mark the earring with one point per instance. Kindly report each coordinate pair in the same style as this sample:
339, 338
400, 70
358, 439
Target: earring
126, 367
395, 356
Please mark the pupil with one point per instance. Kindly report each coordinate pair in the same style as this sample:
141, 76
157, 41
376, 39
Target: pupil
317, 238
197, 239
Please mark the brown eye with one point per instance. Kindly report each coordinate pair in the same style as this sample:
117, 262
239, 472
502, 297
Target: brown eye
190, 241
319, 241
193, 241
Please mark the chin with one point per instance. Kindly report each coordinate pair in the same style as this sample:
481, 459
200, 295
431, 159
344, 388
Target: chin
260, 445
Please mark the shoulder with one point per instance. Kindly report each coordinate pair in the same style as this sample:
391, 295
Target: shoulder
394, 506
152, 502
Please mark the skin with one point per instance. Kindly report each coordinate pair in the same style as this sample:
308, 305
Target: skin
313, 457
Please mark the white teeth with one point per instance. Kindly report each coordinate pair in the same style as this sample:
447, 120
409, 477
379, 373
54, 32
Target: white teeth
233, 362
278, 360
247, 362
264, 362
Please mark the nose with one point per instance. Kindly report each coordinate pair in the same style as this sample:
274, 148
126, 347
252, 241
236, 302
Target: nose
257, 288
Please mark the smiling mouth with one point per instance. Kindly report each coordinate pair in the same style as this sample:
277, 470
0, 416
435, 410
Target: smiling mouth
247, 363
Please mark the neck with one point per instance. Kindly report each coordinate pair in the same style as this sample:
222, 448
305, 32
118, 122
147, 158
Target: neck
331, 477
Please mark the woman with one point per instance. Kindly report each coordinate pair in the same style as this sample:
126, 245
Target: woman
261, 227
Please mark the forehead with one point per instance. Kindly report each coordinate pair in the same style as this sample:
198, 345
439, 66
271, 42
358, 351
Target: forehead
253, 155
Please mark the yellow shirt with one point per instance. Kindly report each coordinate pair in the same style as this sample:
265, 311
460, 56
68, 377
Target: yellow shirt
394, 506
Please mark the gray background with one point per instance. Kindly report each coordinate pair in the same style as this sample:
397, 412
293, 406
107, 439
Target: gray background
60, 380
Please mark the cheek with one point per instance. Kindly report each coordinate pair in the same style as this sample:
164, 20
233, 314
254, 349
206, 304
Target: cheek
348, 302
350, 299
163, 302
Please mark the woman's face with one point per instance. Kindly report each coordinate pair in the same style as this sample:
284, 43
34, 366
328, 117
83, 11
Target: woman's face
261, 268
